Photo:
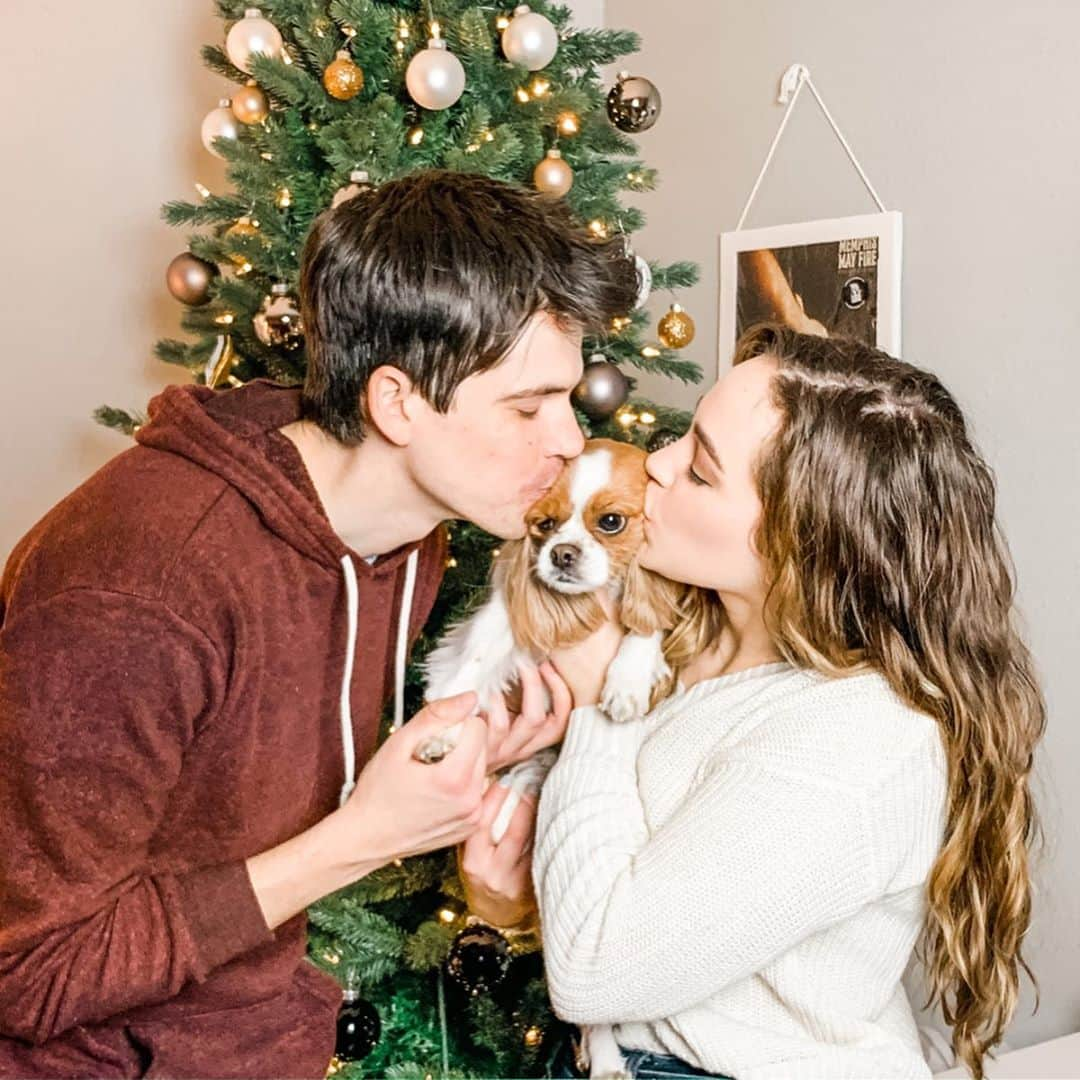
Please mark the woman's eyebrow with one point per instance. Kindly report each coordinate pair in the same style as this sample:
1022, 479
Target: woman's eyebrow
707, 443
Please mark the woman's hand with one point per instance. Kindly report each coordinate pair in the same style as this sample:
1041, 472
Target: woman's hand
513, 738
498, 877
584, 666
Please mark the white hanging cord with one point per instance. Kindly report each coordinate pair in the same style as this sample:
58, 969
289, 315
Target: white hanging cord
791, 86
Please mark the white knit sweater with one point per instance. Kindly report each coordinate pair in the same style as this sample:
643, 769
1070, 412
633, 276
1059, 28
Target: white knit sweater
738, 878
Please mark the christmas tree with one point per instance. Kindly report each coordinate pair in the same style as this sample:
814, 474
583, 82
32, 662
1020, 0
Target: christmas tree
332, 95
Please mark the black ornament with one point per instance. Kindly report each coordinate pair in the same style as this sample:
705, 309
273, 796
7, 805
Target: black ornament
358, 1028
479, 959
660, 438
633, 103
603, 388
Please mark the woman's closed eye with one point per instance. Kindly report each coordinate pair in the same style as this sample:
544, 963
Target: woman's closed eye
694, 478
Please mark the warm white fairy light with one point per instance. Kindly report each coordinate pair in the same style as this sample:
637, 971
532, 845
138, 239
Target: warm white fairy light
650, 352
202, 189
647, 418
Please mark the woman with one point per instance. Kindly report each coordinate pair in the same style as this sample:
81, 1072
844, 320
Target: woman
736, 881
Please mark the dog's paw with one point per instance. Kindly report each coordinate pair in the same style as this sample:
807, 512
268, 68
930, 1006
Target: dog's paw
638, 666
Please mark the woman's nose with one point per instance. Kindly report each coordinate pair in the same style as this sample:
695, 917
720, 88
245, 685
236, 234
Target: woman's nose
658, 465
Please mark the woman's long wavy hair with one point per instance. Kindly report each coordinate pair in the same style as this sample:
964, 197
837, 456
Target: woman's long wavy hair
879, 537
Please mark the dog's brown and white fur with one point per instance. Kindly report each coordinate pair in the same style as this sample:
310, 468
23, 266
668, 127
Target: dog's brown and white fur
583, 536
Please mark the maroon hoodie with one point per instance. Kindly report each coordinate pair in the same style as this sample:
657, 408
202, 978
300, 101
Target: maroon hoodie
180, 690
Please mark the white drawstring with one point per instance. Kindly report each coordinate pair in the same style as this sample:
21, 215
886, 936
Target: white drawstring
403, 639
348, 746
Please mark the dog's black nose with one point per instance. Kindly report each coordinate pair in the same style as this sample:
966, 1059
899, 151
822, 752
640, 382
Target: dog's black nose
565, 555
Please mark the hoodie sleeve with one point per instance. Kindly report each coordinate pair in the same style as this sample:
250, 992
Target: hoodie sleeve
100, 695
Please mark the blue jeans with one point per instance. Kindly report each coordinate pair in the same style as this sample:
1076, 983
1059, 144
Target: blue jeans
641, 1064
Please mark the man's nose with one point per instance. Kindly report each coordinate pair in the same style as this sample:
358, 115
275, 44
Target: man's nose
563, 556
569, 440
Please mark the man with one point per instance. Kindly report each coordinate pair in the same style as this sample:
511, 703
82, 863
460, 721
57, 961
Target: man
197, 643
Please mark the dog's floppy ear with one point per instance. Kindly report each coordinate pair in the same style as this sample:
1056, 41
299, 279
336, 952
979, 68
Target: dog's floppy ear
649, 602
540, 618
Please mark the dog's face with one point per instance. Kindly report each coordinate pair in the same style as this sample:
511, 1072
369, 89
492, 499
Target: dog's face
585, 531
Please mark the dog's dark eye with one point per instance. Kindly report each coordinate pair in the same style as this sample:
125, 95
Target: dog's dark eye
546, 525
611, 523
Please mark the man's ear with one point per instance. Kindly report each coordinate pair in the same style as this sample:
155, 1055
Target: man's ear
391, 403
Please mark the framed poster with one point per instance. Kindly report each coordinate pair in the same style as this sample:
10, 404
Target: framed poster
829, 277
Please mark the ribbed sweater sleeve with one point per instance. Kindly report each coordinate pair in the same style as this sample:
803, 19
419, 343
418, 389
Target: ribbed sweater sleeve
640, 925
100, 695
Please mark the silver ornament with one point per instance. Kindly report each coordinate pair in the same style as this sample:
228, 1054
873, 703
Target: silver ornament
435, 77
277, 323
633, 104
530, 40
644, 274
252, 34
219, 123
603, 388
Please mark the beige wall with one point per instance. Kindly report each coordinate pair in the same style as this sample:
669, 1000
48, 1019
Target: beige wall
963, 113
964, 116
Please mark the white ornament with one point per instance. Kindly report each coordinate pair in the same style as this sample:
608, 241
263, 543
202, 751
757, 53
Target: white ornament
252, 34
435, 77
219, 123
530, 40
645, 279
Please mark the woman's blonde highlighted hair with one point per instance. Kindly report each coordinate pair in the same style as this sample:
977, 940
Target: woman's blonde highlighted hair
879, 538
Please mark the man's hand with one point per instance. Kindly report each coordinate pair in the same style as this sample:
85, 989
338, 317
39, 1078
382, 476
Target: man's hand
498, 877
516, 738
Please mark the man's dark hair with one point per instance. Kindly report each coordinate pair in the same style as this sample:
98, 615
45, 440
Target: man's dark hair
437, 273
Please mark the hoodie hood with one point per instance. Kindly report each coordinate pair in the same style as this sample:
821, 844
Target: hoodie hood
220, 430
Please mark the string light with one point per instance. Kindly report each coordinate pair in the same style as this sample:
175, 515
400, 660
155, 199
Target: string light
447, 915
416, 136
568, 123
202, 190
620, 322
647, 418
349, 32
284, 198
650, 352
522, 94
533, 1036
266, 157
540, 86
224, 319
451, 562
626, 418
598, 228
244, 268
436, 30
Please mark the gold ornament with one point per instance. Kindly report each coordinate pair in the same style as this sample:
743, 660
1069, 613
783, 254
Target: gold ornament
553, 176
222, 360
359, 182
188, 278
277, 324
243, 227
676, 328
334, 1067
250, 105
343, 79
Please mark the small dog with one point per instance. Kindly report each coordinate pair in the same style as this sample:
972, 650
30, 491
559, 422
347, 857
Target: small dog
583, 537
